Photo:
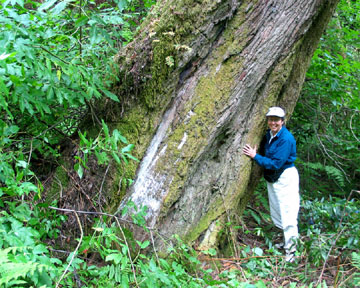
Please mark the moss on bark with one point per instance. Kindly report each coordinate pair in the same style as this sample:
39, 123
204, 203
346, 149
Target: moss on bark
59, 184
227, 202
165, 37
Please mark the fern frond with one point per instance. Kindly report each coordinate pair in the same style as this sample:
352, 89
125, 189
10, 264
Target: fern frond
11, 271
355, 257
331, 171
335, 174
315, 166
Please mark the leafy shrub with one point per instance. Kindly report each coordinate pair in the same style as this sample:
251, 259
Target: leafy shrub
24, 257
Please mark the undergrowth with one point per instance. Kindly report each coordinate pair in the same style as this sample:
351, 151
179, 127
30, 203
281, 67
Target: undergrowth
328, 247
327, 256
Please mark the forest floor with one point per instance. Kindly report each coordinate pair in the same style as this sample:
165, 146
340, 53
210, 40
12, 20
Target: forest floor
253, 256
270, 266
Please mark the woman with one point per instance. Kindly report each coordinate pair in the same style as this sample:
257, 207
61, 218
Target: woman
281, 176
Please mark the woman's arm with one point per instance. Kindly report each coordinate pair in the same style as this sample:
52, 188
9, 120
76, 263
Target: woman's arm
278, 158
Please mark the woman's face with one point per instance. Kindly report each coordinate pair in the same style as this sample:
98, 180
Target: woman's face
275, 124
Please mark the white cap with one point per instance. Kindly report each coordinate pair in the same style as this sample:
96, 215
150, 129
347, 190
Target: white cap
276, 111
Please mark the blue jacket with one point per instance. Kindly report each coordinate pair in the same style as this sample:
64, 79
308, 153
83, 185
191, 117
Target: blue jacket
279, 154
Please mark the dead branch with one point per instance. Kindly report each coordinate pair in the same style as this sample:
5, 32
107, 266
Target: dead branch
77, 248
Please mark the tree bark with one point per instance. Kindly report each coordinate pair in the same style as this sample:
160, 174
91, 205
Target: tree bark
195, 85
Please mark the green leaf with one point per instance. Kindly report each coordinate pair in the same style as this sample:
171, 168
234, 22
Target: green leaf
124, 159
40, 249
124, 281
258, 251
4, 90
81, 21
101, 157
128, 148
3, 56
211, 252
22, 164
83, 138
47, 5
122, 4
131, 157
59, 8
255, 216
111, 95
144, 244
79, 169
116, 157
106, 130
27, 187
95, 37
117, 136
260, 284
13, 129
114, 257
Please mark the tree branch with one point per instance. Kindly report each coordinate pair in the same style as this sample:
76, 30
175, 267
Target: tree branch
77, 248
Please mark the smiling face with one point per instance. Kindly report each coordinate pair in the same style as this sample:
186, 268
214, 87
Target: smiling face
275, 124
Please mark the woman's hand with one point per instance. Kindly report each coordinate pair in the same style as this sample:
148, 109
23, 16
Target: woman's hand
249, 151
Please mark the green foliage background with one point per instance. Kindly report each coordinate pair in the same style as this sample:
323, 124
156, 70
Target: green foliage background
326, 120
56, 59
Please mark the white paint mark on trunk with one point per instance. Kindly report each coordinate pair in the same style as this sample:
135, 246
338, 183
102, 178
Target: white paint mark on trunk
148, 189
183, 141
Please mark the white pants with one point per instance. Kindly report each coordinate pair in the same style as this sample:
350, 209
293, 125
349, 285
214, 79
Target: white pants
284, 203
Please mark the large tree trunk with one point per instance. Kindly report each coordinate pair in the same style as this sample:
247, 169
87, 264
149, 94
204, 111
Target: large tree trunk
195, 85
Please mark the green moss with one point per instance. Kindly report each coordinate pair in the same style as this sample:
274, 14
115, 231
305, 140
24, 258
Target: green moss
212, 92
223, 204
137, 129
58, 185
272, 90
118, 185
154, 91
275, 82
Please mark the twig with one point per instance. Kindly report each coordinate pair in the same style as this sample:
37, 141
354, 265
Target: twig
59, 251
337, 270
61, 187
80, 39
28, 163
96, 213
30, 152
242, 271
93, 114
153, 243
52, 127
241, 259
79, 186
77, 279
260, 214
357, 139
117, 219
102, 184
217, 268
128, 250
48, 51
347, 279
337, 237
77, 248
337, 163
